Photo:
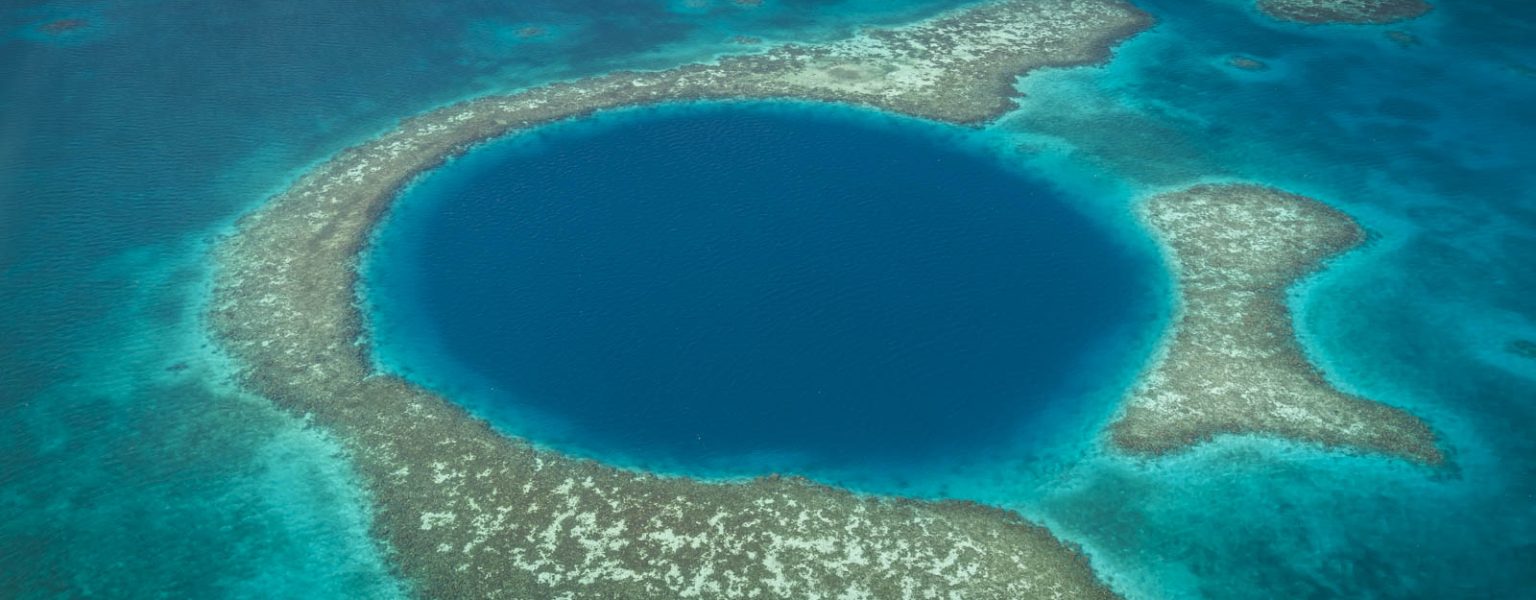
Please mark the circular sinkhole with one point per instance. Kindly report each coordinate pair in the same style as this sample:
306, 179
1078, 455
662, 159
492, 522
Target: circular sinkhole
743, 289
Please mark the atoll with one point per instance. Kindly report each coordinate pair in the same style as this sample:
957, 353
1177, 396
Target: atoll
1363, 12
1232, 364
468, 512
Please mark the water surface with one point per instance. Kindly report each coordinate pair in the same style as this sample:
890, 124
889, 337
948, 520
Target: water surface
745, 289
122, 154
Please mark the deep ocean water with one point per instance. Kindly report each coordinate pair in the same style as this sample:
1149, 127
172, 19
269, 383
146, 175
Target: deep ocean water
128, 143
748, 290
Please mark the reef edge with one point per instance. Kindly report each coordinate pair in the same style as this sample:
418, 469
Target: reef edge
467, 512
1352, 12
1231, 363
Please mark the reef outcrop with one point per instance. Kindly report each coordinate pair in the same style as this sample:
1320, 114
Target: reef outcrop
1246, 63
1232, 364
1361, 12
468, 512
64, 26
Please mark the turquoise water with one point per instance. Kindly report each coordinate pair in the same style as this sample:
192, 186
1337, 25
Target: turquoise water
129, 144
740, 290
122, 153
1428, 146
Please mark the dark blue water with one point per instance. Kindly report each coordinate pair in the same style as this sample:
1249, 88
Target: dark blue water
125, 147
700, 285
127, 144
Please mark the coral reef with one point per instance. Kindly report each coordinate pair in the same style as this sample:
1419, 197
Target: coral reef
63, 26
1345, 11
1232, 364
1246, 63
468, 512
1403, 38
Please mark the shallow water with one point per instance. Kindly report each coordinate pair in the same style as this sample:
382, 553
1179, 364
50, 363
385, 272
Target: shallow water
126, 146
122, 153
739, 290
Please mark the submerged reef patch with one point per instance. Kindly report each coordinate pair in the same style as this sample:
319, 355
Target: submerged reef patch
1232, 364
1364, 12
1522, 349
1403, 38
1246, 63
468, 512
63, 26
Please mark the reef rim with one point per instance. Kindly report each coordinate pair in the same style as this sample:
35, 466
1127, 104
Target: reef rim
467, 511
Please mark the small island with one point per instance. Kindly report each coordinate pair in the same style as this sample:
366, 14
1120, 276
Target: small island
1361, 12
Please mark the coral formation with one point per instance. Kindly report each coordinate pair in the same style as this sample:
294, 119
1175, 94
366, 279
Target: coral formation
1345, 11
1246, 63
1232, 364
468, 512
63, 26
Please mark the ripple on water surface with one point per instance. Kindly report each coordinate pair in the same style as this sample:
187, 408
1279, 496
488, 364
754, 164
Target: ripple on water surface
741, 289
